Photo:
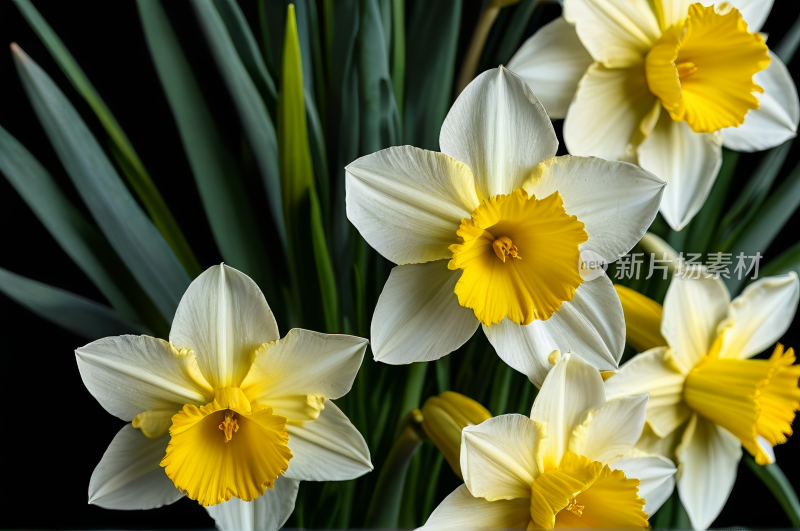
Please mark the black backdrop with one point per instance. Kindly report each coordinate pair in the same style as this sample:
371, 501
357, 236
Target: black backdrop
55, 432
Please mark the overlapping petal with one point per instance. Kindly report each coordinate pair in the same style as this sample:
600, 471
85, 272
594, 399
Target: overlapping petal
552, 62
572, 389
775, 121
649, 372
687, 161
267, 512
327, 449
616, 201
611, 430
693, 308
418, 317
500, 130
129, 475
129, 375
761, 315
500, 457
613, 110
223, 317
304, 363
709, 457
656, 475
618, 33
408, 202
754, 12
591, 326
461, 511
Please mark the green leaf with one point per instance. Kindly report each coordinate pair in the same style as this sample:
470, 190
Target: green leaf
701, 229
135, 172
72, 312
218, 179
75, 234
258, 126
131, 233
399, 52
506, 34
327, 280
754, 191
775, 480
247, 48
766, 223
378, 118
501, 385
429, 85
412, 394
788, 260
787, 46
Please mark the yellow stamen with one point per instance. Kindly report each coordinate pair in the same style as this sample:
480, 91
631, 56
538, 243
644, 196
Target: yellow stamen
229, 426
702, 69
749, 398
586, 493
522, 290
503, 247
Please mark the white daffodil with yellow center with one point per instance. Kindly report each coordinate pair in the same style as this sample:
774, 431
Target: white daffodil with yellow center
706, 395
491, 231
571, 464
225, 412
663, 83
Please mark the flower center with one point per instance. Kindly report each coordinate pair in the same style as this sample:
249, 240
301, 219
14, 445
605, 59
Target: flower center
229, 426
755, 400
522, 290
585, 493
212, 469
702, 69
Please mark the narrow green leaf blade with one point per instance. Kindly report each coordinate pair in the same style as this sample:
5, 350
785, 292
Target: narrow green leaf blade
218, 179
74, 233
399, 52
327, 280
72, 312
775, 480
135, 171
130, 232
788, 260
258, 126
429, 85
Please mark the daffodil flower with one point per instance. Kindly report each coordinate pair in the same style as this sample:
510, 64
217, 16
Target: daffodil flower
705, 392
225, 410
663, 84
491, 231
571, 464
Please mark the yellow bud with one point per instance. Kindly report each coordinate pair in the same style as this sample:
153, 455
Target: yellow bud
444, 418
642, 319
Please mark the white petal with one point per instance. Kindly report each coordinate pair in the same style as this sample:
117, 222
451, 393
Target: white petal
552, 62
408, 202
687, 161
223, 317
656, 475
616, 201
708, 459
500, 130
590, 326
129, 476
305, 363
775, 120
418, 317
268, 512
672, 12
500, 457
754, 12
693, 308
650, 373
612, 429
761, 314
129, 375
327, 449
618, 33
571, 390
462, 511
612, 110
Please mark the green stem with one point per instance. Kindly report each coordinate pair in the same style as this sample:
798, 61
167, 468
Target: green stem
775, 480
470, 64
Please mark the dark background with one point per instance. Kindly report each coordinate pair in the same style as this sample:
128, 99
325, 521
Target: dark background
55, 432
